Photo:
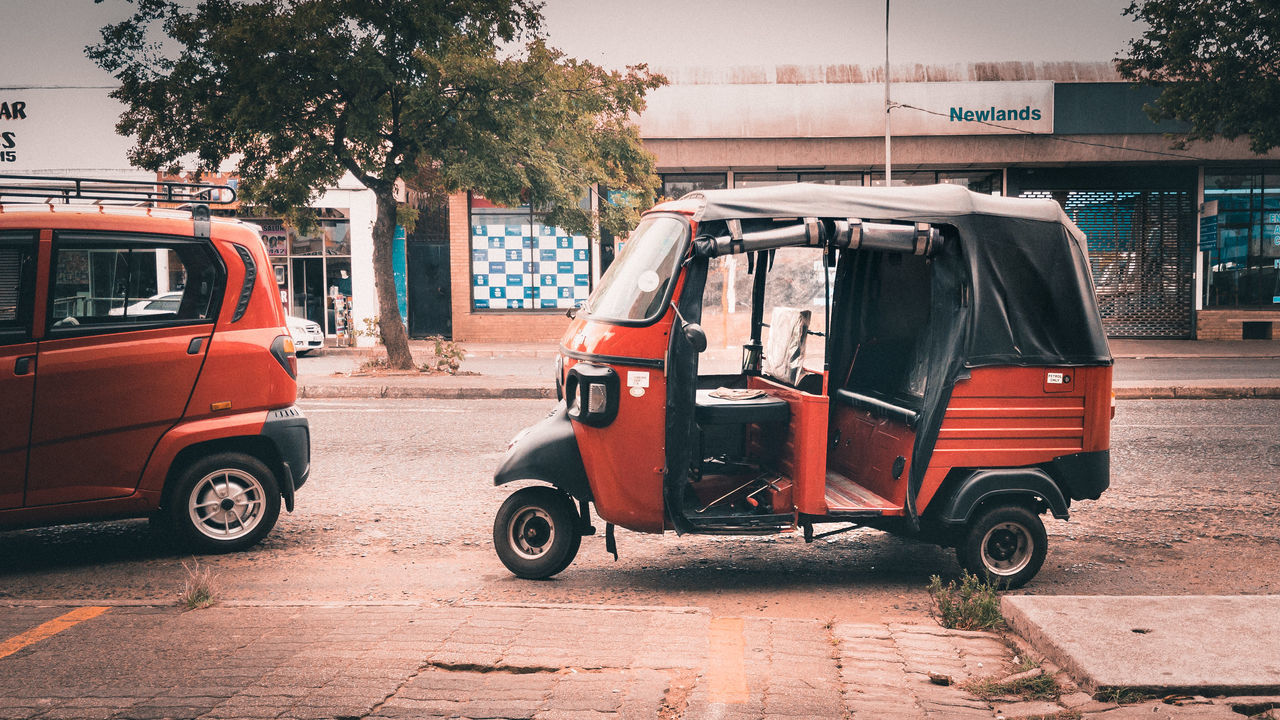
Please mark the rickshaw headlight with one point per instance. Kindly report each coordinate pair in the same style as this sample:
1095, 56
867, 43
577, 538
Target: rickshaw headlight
597, 399
591, 392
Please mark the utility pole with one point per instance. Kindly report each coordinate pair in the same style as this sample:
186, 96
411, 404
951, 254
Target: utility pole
888, 104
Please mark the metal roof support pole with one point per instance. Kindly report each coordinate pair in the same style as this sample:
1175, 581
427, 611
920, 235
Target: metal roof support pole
888, 104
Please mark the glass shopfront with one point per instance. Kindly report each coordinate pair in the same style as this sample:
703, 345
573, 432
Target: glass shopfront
313, 271
1242, 268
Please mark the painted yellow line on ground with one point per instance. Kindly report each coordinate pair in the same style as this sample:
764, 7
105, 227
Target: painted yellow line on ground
49, 629
726, 670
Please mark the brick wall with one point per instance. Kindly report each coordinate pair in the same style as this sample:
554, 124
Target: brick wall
488, 325
1229, 324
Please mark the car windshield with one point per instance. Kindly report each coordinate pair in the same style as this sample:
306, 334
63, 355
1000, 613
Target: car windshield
637, 283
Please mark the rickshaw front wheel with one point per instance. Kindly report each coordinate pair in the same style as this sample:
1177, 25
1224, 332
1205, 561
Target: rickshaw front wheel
1005, 544
536, 532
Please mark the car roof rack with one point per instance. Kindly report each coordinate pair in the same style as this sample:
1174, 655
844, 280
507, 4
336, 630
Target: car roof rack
55, 189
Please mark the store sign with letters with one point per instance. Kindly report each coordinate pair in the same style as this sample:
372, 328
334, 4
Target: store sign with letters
780, 110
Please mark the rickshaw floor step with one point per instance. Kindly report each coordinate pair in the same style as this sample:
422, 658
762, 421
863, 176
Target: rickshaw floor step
844, 495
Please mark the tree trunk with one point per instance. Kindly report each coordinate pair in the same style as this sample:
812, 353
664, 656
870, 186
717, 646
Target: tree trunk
394, 335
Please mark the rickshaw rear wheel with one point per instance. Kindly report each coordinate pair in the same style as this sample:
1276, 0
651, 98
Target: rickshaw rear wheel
536, 532
1005, 545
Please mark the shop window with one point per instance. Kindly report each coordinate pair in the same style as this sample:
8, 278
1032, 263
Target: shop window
850, 179
987, 182
906, 177
675, 185
747, 180
519, 263
1242, 266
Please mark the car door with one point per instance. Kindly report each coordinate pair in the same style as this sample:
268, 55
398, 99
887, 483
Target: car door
112, 383
17, 361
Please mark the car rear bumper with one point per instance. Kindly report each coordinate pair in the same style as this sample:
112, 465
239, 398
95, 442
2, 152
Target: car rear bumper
288, 429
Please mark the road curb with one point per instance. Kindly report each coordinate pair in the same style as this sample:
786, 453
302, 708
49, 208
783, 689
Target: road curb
1179, 392
432, 392
534, 392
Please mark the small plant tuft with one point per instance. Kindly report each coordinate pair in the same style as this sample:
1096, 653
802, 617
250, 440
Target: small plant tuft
1121, 696
446, 356
973, 605
374, 363
1040, 687
199, 589
371, 329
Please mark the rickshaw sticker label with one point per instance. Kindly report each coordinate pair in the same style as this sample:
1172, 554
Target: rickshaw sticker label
637, 380
1055, 379
637, 391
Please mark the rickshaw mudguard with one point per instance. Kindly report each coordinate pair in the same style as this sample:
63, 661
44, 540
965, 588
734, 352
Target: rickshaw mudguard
547, 452
1004, 484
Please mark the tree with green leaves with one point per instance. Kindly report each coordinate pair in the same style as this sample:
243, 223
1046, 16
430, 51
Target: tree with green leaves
1218, 63
445, 96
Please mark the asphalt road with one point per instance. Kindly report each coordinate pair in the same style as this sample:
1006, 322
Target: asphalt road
400, 507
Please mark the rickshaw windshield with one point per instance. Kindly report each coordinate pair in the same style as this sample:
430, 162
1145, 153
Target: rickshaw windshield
636, 287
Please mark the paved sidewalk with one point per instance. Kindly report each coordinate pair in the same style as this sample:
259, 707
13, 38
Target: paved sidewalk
525, 370
485, 661
541, 662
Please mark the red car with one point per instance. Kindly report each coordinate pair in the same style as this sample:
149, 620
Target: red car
185, 414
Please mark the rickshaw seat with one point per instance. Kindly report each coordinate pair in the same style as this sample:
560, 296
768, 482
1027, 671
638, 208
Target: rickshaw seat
712, 410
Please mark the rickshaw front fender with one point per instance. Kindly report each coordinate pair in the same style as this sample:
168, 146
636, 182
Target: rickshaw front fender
547, 452
1004, 485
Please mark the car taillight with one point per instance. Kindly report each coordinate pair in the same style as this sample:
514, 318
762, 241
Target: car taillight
282, 350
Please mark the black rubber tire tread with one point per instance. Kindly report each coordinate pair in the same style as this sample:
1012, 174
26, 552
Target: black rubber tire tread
180, 521
969, 550
564, 520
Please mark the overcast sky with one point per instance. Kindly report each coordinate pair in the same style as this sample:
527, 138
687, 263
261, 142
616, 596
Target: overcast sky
42, 41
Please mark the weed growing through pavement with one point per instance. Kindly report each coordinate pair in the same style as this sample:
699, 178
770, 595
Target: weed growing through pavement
198, 591
973, 605
1121, 696
1040, 687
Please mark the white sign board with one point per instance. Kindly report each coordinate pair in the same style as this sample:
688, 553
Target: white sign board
822, 110
62, 130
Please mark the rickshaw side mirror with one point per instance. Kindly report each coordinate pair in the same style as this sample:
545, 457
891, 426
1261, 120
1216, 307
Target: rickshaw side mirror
696, 336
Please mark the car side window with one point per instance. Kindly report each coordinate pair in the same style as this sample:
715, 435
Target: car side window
107, 282
17, 278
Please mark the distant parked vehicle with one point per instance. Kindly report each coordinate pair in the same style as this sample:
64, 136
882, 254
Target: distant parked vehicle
307, 335
179, 406
154, 305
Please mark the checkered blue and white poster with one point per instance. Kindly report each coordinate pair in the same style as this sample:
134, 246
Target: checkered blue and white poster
523, 267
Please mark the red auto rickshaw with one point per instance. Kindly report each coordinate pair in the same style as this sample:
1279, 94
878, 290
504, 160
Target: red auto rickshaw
933, 364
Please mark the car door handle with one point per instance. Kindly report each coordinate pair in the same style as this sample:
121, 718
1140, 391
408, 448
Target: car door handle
24, 365
193, 347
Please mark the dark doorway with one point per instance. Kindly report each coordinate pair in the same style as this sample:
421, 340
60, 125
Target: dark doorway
427, 265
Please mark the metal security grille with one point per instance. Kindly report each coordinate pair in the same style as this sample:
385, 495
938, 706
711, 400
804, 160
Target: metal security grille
1142, 252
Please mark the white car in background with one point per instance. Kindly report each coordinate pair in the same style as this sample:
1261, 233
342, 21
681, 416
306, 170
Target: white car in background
154, 305
307, 335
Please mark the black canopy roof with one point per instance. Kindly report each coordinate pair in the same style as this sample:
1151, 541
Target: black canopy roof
1030, 298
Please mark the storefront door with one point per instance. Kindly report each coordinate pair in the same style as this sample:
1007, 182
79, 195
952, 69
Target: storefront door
308, 290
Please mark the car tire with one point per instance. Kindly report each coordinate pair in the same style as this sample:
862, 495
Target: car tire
1005, 545
224, 502
536, 532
